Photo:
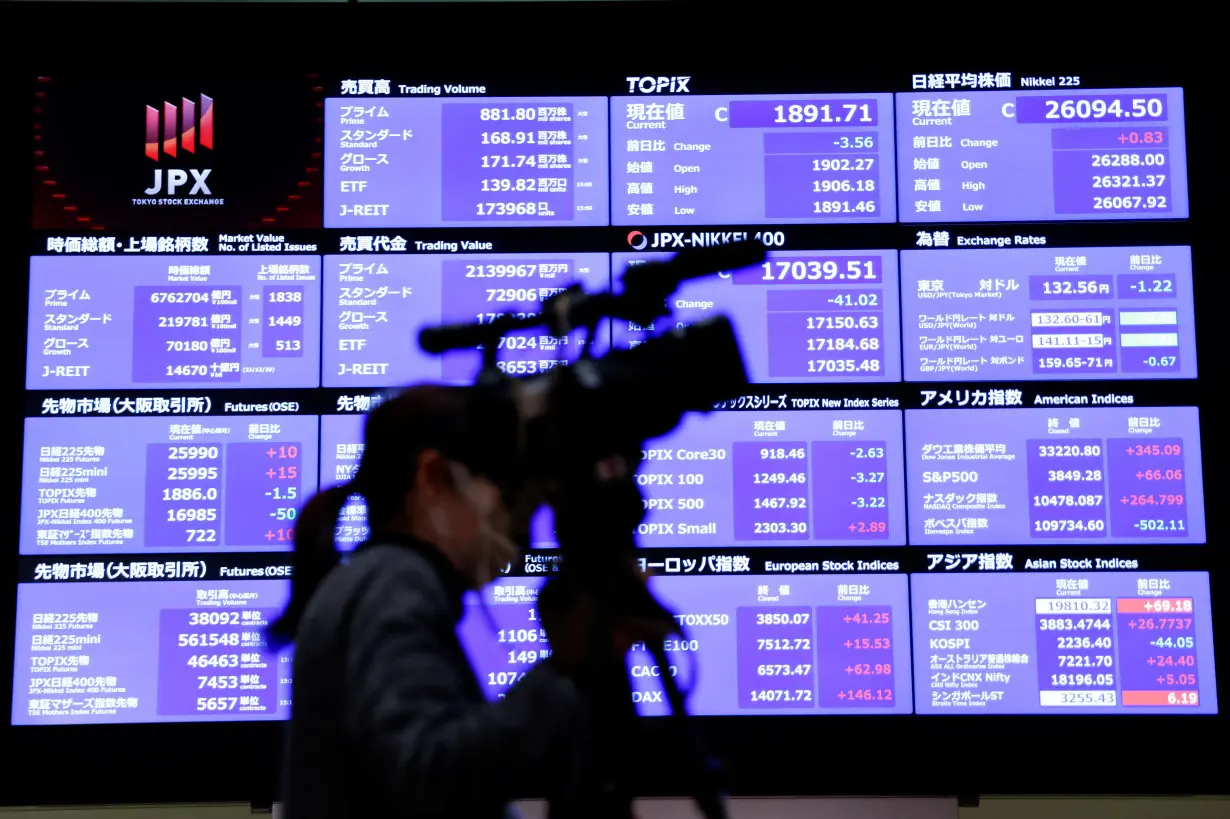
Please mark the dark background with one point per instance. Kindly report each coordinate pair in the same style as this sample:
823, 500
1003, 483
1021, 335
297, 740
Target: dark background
262, 53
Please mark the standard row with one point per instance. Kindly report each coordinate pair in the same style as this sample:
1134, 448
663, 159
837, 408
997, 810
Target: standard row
943, 644
944, 478
802, 316
1003, 156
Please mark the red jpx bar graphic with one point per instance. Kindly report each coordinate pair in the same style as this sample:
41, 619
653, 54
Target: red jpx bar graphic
186, 137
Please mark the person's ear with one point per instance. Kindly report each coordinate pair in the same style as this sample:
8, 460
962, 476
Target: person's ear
432, 477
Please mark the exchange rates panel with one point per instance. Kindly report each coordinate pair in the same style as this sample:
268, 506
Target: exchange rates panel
1019, 156
776, 479
171, 651
376, 305
1063, 475
453, 162
173, 321
1064, 643
801, 316
769, 159
796, 645
209, 484
1038, 314
341, 449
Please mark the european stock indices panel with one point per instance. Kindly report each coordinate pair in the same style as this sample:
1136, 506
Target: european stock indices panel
967, 479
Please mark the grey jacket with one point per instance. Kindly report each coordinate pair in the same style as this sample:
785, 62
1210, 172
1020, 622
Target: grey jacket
388, 717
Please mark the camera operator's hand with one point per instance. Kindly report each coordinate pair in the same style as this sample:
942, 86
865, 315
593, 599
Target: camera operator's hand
568, 612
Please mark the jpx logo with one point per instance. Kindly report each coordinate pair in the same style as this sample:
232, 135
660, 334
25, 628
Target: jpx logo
658, 85
174, 129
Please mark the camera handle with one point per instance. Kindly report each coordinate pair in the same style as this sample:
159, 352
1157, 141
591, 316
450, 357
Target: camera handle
595, 528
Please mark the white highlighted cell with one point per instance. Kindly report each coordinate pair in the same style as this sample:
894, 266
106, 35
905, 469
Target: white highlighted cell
1151, 318
1149, 340
1078, 699
1083, 341
1072, 605
1069, 318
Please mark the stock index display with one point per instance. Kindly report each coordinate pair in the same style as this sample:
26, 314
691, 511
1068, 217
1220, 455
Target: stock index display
960, 483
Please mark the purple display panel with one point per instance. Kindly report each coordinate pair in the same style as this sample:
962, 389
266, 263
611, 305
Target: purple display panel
376, 305
171, 651
770, 159
1064, 475
1063, 643
173, 321
776, 479
760, 645
1018, 156
1152, 487
1071, 314
502, 633
341, 448
801, 317
1161, 649
199, 484
453, 162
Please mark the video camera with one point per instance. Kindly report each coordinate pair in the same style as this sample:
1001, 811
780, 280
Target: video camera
573, 438
554, 429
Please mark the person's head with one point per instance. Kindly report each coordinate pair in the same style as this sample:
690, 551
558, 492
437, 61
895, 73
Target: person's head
417, 480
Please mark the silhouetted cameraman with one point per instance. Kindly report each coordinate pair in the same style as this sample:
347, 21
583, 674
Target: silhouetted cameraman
388, 716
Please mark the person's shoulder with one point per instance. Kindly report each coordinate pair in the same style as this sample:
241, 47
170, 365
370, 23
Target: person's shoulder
381, 576
389, 560
379, 564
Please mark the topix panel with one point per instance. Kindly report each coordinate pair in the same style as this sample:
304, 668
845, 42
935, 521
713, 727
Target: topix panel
169, 651
160, 485
376, 305
1072, 314
464, 162
173, 321
1086, 475
1063, 643
1036, 156
801, 316
767, 159
834, 644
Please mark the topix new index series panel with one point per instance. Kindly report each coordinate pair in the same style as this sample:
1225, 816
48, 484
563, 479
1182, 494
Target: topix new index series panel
775, 479
965, 476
